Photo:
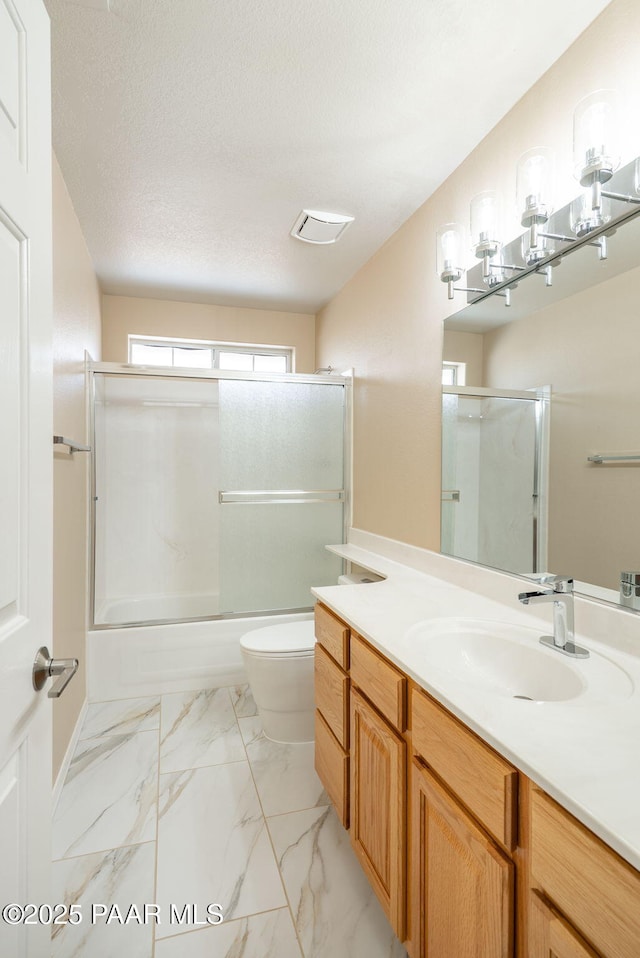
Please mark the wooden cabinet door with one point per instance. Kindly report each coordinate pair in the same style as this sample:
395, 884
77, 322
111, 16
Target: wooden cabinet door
377, 807
550, 936
461, 885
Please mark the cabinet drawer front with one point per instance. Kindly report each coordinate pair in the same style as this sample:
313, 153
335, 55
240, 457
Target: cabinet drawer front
332, 695
481, 779
333, 634
381, 682
332, 766
597, 891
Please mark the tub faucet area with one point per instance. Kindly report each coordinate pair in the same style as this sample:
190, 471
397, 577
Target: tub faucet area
560, 592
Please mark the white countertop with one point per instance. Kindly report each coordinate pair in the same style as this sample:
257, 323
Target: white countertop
586, 756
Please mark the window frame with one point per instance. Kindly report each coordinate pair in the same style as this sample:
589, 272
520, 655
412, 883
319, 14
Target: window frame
216, 347
458, 370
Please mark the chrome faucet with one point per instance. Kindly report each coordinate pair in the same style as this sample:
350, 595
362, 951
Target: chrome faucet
561, 594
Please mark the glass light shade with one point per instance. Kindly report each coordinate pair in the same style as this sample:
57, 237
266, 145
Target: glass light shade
583, 218
596, 130
535, 185
450, 250
484, 218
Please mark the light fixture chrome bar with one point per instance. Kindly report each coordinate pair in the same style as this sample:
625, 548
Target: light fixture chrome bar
280, 496
450, 495
558, 236
73, 446
506, 295
624, 197
600, 459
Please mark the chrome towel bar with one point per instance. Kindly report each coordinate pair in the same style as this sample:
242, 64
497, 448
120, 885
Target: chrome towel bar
280, 496
73, 446
600, 458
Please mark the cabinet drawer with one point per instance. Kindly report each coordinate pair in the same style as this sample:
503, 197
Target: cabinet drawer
381, 682
596, 889
332, 766
332, 695
333, 634
481, 779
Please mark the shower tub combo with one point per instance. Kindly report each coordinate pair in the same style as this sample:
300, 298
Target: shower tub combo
214, 495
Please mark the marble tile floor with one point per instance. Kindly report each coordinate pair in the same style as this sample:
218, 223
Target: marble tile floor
178, 800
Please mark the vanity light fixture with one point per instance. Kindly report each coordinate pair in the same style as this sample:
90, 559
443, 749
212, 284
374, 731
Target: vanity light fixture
450, 250
484, 212
596, 155
534, 194
450, 256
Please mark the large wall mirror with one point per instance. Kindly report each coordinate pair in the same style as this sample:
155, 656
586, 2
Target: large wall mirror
542, 479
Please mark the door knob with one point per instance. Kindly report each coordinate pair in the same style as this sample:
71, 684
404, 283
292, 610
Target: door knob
45, 667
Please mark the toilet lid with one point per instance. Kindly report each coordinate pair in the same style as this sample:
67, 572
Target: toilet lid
288, 637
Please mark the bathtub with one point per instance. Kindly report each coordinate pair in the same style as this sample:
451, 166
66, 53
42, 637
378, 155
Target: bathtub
156, 659
146, 608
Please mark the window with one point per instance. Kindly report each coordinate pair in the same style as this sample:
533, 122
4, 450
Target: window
453, 374
196, 354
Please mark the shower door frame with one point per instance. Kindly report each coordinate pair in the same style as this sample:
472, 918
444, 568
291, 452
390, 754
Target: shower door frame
94, 368
541, 396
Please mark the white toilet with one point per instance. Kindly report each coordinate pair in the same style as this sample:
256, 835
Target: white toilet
279, 664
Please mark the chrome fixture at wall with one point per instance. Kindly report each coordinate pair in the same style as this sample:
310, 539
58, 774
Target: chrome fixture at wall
589, 219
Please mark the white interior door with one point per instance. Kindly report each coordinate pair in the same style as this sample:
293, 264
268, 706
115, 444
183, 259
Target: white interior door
25, 467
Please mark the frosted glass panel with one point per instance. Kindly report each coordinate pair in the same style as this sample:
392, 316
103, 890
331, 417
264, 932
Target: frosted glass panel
449, 505
157, 512
488, 456
276, 437
273, 554
281, 435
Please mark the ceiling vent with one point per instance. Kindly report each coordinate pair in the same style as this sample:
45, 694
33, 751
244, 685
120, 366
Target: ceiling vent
312, 226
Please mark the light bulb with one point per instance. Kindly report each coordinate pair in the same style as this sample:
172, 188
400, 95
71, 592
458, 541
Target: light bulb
534, 185
596, 151
450, 251
484, 219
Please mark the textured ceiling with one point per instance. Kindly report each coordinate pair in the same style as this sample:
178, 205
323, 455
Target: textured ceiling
192, 132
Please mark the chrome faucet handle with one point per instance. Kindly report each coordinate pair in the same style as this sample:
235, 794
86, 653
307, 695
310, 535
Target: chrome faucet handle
559, 583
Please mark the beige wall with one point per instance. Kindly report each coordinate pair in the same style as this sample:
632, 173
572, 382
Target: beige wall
592, 366
387, 321
76, 327
465, 348
122, 315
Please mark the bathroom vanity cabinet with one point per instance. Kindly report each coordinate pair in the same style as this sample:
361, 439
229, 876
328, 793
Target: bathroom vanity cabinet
332, 708
467, 856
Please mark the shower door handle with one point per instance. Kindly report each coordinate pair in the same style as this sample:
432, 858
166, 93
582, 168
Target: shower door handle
45, 667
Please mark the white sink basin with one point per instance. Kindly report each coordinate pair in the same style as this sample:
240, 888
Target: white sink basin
508, 661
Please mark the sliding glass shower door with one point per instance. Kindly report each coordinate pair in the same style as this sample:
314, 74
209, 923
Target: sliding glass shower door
493, 482
214, 495
281, 491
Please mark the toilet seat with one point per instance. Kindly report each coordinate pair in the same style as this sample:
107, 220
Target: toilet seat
290, 638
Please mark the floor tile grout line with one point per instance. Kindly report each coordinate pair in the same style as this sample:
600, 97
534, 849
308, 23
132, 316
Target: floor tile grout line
275, 856
155, 873
265, 818
157, 695
102, 851
230, 921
